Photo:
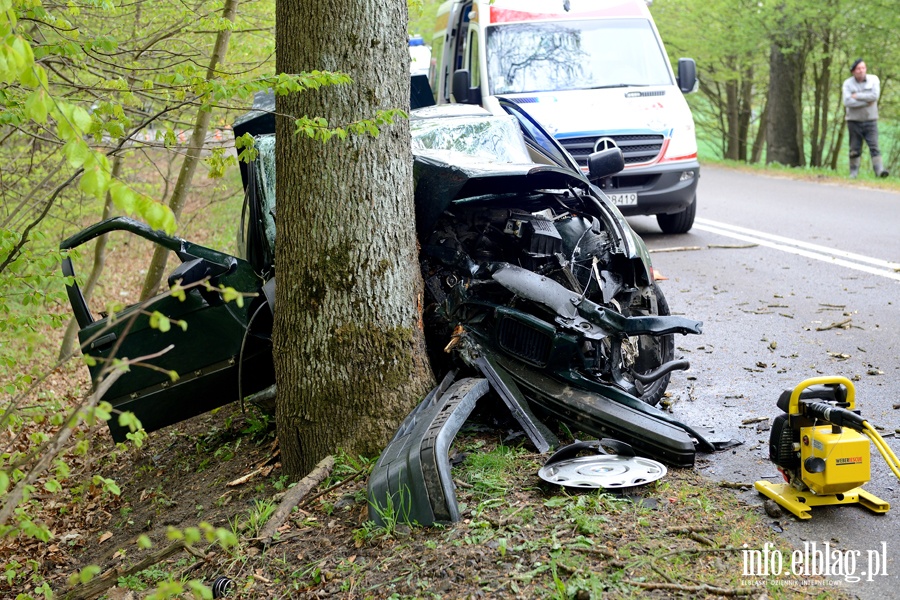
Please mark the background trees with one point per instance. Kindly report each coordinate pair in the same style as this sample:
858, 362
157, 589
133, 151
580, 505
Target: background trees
771, 73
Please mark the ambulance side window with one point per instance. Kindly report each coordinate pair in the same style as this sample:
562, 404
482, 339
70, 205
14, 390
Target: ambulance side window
472, 63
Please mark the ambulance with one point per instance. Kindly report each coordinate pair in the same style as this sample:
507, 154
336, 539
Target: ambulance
595, 74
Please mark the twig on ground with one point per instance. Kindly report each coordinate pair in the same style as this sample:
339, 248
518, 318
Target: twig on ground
293, 497
704, 588
690, 529
702, 539
264, 471
839, 325
735, 485
677, 249
330, 488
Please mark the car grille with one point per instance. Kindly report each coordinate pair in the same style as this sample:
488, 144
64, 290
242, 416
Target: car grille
527, 343
637, 148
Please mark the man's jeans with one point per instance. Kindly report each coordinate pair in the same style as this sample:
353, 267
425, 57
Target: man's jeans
863, 130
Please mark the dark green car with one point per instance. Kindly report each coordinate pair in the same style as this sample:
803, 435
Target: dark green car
519, 249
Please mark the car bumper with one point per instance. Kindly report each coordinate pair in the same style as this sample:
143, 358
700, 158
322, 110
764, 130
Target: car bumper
660, 188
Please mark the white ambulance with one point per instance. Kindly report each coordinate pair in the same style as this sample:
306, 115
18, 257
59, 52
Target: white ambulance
595, 74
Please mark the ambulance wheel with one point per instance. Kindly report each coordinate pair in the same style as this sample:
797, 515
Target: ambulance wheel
680, 222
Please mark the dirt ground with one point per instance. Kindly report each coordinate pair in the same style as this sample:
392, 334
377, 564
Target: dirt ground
518, 538
682, 536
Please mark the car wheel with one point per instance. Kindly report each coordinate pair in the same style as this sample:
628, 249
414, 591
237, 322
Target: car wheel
680, 222
653, 351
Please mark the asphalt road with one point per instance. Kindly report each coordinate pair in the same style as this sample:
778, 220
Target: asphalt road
793, 280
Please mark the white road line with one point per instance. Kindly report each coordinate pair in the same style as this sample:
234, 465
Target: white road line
857, 262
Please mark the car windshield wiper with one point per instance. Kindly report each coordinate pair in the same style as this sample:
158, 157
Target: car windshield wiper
615, 85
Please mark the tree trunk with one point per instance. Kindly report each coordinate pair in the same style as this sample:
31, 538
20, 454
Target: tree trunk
821, 103
839, 141
759, 141
783, 131
732, 107
349, 351
746, 113
192, 156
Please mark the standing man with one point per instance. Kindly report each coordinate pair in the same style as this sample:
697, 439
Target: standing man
861, 93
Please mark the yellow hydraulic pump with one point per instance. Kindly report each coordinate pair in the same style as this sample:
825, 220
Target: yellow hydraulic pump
821, 446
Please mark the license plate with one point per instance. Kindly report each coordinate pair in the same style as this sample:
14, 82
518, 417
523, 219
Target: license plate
623, 199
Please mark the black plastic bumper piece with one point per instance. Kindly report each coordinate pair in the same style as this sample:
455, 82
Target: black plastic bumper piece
602, 417
412, 478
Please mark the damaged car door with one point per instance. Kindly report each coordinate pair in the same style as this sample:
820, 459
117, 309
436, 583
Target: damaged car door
215, 351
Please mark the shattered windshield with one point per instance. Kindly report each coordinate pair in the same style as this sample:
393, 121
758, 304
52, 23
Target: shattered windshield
486, 138
573, 55
265, 168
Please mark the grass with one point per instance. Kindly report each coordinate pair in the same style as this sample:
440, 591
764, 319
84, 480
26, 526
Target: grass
517, 537
867, 178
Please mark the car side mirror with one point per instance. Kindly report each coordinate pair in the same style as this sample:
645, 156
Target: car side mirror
604, 163
687, 75
462, 92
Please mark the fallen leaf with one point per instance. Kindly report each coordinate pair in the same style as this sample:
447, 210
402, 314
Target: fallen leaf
105, 537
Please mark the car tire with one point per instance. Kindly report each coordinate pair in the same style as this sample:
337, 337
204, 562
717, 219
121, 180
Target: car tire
653, 351
680, 222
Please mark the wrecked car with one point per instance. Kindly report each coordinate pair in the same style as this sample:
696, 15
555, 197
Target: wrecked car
538, 293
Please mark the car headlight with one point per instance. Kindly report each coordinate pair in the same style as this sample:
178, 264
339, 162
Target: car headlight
682, 145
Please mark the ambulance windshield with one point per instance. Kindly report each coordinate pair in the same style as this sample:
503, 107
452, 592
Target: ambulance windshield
570, 55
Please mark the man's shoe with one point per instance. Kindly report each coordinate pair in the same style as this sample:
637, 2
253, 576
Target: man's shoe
884, 174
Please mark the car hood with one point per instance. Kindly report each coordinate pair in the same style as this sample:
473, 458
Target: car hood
615, 110
442, 177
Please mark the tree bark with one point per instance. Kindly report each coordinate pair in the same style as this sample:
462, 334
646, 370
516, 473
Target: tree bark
192, 156
732, 104
783, 132
349, 352
759, 141
746, 113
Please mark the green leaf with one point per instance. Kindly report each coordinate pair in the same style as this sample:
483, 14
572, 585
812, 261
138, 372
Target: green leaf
192, 535
558, 502
144, 542
199, 590
107, 484
123, 196
36, 106
61, 469
129, 420
88, 573
81, 118
94, 181
77, 152
160, 321
52, 486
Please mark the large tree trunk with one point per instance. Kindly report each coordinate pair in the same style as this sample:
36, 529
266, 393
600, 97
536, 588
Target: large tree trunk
783, 132
349, 349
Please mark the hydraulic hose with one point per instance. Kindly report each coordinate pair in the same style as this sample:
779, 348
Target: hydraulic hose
889, 457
